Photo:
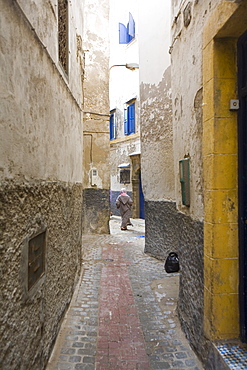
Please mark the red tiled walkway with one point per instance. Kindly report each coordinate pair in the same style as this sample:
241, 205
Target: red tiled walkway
120, 343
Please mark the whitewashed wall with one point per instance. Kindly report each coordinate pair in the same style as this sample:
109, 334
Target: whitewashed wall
155, 104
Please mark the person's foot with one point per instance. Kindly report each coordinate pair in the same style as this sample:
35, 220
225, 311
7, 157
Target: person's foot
123, 228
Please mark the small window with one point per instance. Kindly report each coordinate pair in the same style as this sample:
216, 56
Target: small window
129, 119
112, 126
184, 171
127, 34
36, 259
63, 34
124, 176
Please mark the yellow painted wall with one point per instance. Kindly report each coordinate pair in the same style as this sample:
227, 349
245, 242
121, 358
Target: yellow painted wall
221, 311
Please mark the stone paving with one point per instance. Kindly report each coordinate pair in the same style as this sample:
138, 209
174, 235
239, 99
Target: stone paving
123, 312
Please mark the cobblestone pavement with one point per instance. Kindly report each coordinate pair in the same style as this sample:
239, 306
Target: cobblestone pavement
122, 315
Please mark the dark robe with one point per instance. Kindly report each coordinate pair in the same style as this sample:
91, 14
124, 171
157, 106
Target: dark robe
124, 203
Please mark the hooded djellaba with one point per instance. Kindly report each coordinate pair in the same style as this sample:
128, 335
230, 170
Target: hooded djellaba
124, 203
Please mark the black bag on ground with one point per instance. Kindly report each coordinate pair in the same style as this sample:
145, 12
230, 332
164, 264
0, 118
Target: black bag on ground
172, 263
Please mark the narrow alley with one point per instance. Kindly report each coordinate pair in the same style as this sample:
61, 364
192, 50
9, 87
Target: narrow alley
101, 95
123, 312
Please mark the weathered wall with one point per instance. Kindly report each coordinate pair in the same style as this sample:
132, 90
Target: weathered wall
223, 245
155, 103
156, 139
187, 99
156, 128
196, 134
168, 230
41, 179
30, 319
96, 220
96, 115
171, 128
39, 114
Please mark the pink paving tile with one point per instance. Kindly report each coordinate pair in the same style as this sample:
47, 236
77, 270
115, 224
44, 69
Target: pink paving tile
114, 345
102, 344
119, 325
102, 352
100, 366
103, 360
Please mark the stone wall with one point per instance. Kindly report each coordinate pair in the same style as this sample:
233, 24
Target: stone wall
96, 215
191, 292
168, 230
41, 180
161, 228
30, 318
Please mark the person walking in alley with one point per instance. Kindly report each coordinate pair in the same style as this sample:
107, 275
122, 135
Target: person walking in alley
124, 203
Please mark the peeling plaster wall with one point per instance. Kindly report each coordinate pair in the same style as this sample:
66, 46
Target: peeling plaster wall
41, 179
156, 126
187, 99
155, 106
96, 116
45, 26
35, 98
188, 21
171, 127
156, 140
96, 47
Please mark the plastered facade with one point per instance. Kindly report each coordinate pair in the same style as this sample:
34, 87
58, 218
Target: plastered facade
96, 163
41, 124
187, 99
155, 106
204, 42
30, 130
156, 124
226, 24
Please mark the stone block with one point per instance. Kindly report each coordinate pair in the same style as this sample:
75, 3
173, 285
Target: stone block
221, 240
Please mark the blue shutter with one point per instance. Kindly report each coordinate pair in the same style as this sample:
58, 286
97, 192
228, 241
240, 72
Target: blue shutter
131, 118
126, 128
123, 35
129, 37
112, 136
131, 26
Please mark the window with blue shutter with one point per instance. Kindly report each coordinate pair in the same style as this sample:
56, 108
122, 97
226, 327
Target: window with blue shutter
127, 34
112, 126
131, 28
123, 34
126, 131
129, 119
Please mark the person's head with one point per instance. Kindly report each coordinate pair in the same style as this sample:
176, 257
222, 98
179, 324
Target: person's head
123, 190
